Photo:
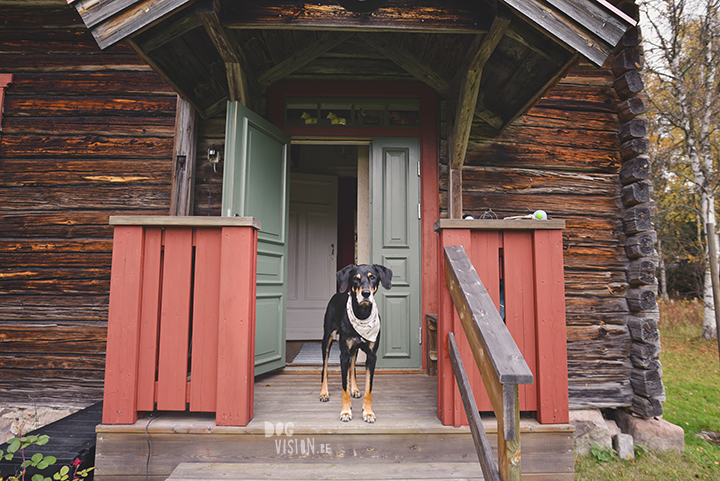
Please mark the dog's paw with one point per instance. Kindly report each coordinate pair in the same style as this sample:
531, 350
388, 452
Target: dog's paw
369, 417
357, 394
346, 417
324, 398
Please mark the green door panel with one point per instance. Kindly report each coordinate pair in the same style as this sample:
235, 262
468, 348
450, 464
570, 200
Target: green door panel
395, 243
255, 183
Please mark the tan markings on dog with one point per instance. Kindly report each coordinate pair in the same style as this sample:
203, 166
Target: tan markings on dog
368, 414
346, 412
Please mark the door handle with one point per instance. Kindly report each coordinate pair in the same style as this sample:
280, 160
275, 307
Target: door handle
332, 249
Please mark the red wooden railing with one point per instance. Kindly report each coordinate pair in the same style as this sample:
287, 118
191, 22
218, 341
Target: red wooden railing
527, 256
181, 321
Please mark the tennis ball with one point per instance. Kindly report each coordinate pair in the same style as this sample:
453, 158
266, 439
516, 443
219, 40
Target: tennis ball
539, 215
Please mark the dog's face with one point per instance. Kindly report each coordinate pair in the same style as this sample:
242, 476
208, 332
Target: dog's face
364, 280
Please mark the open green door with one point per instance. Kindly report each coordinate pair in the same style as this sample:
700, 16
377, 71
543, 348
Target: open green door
395, 243
255, 183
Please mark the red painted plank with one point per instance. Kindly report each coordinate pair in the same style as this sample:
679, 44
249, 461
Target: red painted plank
236, 328
551, 335
149, 319
485, 257
175, 319
520, 304
123, 327
206, 307
447, 387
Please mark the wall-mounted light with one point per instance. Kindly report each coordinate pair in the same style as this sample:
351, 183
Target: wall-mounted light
213, 157
361, 6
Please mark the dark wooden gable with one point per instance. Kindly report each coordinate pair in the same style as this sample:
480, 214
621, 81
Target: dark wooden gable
492, 61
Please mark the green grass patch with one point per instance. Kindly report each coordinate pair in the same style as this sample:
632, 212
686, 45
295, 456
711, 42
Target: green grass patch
691, 374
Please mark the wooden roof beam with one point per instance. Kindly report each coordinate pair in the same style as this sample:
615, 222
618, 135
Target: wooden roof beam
405, 60
326, 42
239, 76
426, 16
469, 80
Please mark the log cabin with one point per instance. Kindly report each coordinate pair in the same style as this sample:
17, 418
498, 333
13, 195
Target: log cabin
379, 126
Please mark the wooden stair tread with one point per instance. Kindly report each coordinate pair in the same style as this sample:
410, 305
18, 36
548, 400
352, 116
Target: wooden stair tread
366, 471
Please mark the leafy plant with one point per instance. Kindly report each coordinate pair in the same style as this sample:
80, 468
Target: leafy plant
18, 445
603, 455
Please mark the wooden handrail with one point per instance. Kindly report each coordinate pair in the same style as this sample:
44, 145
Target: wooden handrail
501, 364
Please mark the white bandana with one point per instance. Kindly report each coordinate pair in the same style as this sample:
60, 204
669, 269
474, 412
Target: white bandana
367, 328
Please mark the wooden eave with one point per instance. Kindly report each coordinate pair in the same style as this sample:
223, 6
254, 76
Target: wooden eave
491, 61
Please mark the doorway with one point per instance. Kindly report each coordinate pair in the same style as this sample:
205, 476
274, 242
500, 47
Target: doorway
376, 184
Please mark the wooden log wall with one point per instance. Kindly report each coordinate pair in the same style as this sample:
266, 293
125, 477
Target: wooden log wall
578, 155
86, 134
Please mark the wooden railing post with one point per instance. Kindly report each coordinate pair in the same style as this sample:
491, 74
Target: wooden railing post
498, 358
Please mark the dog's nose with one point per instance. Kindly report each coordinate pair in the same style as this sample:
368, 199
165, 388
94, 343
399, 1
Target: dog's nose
365, 293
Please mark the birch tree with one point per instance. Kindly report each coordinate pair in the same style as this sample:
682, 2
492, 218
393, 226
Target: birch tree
682, 58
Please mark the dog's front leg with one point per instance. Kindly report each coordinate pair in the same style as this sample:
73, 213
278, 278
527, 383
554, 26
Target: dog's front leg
346, 412
354, 390
368, 414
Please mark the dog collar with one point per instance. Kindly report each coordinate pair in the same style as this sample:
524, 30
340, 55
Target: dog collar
367, 328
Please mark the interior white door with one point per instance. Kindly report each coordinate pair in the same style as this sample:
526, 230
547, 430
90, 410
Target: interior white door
312, 247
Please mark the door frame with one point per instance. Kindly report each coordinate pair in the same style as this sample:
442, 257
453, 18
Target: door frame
428, 132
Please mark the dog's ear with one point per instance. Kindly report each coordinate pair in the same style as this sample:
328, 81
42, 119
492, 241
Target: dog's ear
343, 276
385, 275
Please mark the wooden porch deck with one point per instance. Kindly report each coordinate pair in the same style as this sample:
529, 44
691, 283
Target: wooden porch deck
407, 432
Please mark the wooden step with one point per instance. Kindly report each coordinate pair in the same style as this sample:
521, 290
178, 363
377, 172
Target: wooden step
334, 472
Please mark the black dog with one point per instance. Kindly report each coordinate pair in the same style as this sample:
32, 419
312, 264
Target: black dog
354, 316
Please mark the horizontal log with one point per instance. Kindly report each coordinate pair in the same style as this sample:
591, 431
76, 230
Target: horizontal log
91, 83
33, 63
54, 172
647, 407
641, 272
46, 361
557, 118
44, 17
577, 305
50, 41
631, 108
641, 300
563, 137
633, 129
107, 197
55, 338
641, 245
629, 84
69, 259
55, 286
580, 97
75, 224
598, 395
46, 245
546, 156
615, 334
556, 205
635, 170
109, 126
637, 219
594, 371
643, 329
73, 106
85, 146
576, 317
536, 181
646, 351
90, 310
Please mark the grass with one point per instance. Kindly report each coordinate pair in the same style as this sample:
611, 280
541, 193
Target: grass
691, 374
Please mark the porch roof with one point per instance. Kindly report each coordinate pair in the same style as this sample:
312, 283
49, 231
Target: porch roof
492, 59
